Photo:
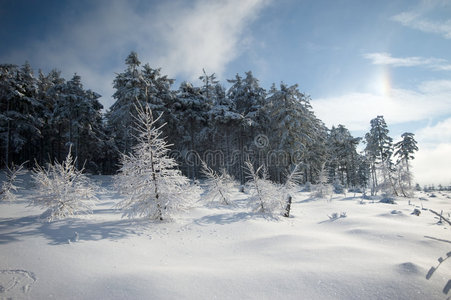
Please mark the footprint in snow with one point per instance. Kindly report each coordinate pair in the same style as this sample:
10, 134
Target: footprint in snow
15, 282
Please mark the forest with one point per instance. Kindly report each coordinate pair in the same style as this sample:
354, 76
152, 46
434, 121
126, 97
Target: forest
44, 116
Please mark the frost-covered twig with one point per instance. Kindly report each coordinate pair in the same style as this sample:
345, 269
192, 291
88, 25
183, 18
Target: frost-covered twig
266, 194
218, 184
63, 190
9, 185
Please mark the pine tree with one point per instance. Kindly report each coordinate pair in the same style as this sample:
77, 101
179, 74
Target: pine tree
131, 88
153, 186
379, 149
293, 126
188, 126
404, 151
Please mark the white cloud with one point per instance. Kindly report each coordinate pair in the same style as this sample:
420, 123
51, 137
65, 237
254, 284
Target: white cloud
436, 134
415, 19
432, 164
355, 110
181, 38
383, 58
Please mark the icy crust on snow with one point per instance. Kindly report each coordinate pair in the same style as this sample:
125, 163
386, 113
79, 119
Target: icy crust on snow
377, 251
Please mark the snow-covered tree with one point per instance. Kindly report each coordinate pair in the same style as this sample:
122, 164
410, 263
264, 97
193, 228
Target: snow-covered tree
9, 187
405, 150
293, 127
241, 120
148, 178
130, 88
379, 150
342, 156
323, 188
266, 195
218, 185
63, 190
19, 122
188, 125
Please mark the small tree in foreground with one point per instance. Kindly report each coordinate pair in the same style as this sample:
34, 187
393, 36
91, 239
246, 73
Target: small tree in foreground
63, 190
9, 185
218, 184
148, 177
266, 194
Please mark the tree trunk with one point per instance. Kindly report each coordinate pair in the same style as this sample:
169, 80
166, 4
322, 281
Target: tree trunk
288, 208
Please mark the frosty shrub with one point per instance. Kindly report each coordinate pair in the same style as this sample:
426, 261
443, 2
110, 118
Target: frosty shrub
338, 187
153, 186
7, 192
265, 193
322, 190
63, 190
307, 187
218, 185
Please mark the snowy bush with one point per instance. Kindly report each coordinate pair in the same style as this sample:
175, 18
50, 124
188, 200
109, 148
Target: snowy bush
322, 190
338, 187
218, 185
265, 193
307, 187
153, 186
335, 215
63, 190
9, 185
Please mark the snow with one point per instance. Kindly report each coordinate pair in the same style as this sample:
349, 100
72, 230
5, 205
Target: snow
378, 251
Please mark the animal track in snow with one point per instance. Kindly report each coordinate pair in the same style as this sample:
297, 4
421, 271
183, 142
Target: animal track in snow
14, 282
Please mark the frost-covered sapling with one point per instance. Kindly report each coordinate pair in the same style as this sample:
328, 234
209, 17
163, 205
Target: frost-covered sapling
63, 190
153, 186
323, 188
218, 185
9, 187
265, 194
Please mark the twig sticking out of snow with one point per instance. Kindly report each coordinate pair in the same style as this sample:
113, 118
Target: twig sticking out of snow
441, 216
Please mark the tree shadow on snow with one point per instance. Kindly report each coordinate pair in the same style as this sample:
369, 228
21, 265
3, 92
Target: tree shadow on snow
437, 239
67, 230
229, 218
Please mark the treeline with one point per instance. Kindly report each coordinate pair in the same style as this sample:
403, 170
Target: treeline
42, 116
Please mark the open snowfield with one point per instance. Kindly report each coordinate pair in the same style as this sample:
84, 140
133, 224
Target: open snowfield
378, 251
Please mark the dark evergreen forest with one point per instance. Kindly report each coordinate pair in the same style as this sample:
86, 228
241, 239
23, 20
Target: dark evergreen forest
42, 116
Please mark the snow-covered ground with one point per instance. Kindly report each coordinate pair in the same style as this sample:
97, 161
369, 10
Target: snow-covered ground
378, 251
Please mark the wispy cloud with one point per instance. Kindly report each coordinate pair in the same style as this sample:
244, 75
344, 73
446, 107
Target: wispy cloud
180, 37
384, 58
430, 99
416, 19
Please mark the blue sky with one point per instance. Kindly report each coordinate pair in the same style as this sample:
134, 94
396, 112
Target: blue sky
357, 59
